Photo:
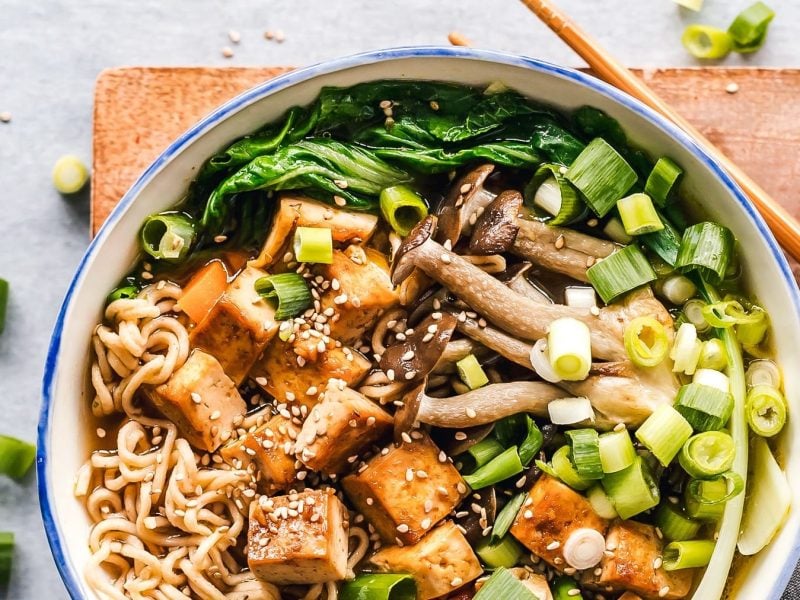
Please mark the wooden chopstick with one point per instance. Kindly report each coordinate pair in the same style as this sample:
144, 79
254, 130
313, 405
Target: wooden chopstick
785, 227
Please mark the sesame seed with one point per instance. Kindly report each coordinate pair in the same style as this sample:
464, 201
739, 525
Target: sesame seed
663, 591
457, 581
428, 506
390, 374
410, 375
370, 501
521, 482
573, 591
590, 261
227, 52
408, 355
442, 456
409, 474
658, 562
101, 433
619, 427
554, 545
434, 105
215, 415
732, 88
471, 413
196, 398
234, 36
446, 259
402, 528
311, 391
422, 474
528, 514
560, 242
425, 523
5, 116
262, 381
406, 437
460, 436
386, 104
465, 188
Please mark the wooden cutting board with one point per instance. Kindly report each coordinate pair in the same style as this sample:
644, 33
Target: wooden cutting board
140, 110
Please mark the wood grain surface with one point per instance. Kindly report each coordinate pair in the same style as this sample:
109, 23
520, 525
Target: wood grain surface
140, 110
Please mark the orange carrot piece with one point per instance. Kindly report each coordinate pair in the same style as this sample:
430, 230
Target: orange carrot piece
203, 290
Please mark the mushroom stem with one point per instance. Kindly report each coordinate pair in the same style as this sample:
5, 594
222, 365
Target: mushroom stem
510, 347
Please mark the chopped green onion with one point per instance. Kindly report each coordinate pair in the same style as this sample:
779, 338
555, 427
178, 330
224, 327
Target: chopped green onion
288, 293
632, 490
712, 378
678, 289
502, 553
695, 5
69, 174
506, 516
621, 272
565, 588
616, 451
662, 180
498, 469
3, 303
734, 485
484, 451
550, 191
664, 433
749, 28
16, 457
639, 215
569, 347
502, 584
585, 448
704, 41
763, 372
580, 296
471, 372
706, 408
713, 355
646, 341
168, 236
688, 554
601, 175
768, 501
126, 292
753, 332
520, 430
674, 525
766, 410
712, 491
568, 411
730, 313
313, 245
379, 586
584, 548
561, 467
665, 243
707, 454
616, 231
706, 248
686, 350
693, 313
600, 502
402, 208
6, 556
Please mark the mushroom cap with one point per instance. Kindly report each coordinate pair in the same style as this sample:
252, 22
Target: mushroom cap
450, 213
497, 228
416, 356
402, 267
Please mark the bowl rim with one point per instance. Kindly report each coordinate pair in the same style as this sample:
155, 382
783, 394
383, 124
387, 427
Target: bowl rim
66, 569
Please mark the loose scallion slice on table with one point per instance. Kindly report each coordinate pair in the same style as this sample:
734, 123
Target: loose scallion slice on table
749, 29
501, 467
616, 231
662, 181
313, 245
705, 41
600, 502
674, 525
568, 411
601, 175
502, 584
550, 191
379, 586
695, 5
678, 289
646, 341
484, 451
621, 272
707, 454
707, 249
664, 433
69, 174
168, 236
287, 292
616, 451
763, 372
4, 288
686, 349
402, 208
500, 553
638, 214
471, 372
16, 457
585, 449
705, 407
505, 518
690, 554
766, 410
632, 490
6, 556
713, 356
569, 347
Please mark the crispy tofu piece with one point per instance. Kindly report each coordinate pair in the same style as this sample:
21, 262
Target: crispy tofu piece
551, 512
280, 375
440, 562
364, 292
339, 427
634, 548
271, 448
239, 326
201, 400
307, 545
395, 506
300, 211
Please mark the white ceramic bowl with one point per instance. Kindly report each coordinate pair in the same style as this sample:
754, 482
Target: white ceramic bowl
65, 408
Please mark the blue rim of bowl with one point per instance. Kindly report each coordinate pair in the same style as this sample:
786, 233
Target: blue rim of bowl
65, 567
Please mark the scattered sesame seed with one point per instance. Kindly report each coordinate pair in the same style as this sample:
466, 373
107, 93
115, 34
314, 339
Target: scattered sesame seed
573, 591
227, 52
663, 591
402, 528
560, 242
658, 562
528, 514
554, 545
215, 415
434, 105
732, 88
460, 436
5, 116
196, 398
446, 259
471, 413
410, 375
408, 355
406, 438
457, 581
339, 201
101, 433
619, 427
234, 36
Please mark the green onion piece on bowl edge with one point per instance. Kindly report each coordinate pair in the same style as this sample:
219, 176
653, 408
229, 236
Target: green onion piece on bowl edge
749, 29
402, 208
379, 586
4, 288
6, 556
550, 191
601, 175
287, 292
16, 457
502, 584
313, 245
168, 236
621, 272
704, 41
638, 215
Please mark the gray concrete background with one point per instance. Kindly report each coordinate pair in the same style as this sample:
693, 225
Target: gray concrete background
51, 52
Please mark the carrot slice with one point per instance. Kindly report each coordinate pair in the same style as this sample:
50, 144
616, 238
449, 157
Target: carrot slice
204, 290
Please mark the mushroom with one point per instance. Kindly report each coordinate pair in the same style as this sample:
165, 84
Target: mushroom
497, 227
412, 359
454, 447
466, 196
510, 347
454, 352
516, 278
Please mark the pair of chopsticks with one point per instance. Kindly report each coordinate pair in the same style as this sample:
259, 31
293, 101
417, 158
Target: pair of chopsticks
782, 224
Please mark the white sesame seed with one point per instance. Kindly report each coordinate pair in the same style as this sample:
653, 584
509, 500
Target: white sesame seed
528, 514
471, 413
402, 528
227, 52
732, 88
445, 258
234, 36
456, 581
410, 375
460, 436
5, 116
215, 415
663, 591
101, 433
409, 474
554, 545
408, 355
658, 562
196, 398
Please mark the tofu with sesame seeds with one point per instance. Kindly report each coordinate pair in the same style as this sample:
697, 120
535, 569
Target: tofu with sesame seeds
238, 327
551, 512
300, 538
363, 293
440, 562
629, 566
201, 400
270, 448
339, 428
406, 490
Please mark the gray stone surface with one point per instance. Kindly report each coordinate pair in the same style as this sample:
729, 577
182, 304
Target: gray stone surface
51, 52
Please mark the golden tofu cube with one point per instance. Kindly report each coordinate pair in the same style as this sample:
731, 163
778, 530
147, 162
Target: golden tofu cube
406, 491
630, 566
271, 448
551, 513
300, 538
440, 562
364, 292
239, 326
339, 427
201, 400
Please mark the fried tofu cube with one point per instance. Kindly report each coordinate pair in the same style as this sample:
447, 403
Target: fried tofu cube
280, 374
300, 538
201, 400
404, 492
271, 448
551, 513
363, 293
238, 327
440, 562
634, 548
339, 427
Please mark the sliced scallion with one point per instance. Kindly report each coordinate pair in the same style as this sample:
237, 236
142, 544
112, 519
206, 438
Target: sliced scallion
601, 175
693, 313
379, 586
712, 491
580, 296
763, 372
662, 180
707, 454
501, 553
695, 5
288, 293
313, 245
568, 411
678, 289
484, 451
566, 588
753, 332
621, 272
69, 174
749, 28
704, 41
664, 433
616, 451
633, 490
600, 503
585, 448
706, 248
706, 408
733, 482
500, 468
502, 584
471, 372
766, 410
4, 288
402, 208
505, 518
16, 457
616, 231
686, 350
646, 341
6, 556
713, 355
123, 292
569, 347
550, 191
674, 525
730, 313
520, 430
712, 378
687, 555
561, 467
664, 243
638, 214
168, 236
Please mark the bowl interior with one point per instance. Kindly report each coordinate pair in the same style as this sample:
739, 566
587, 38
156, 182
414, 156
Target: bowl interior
63, 436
